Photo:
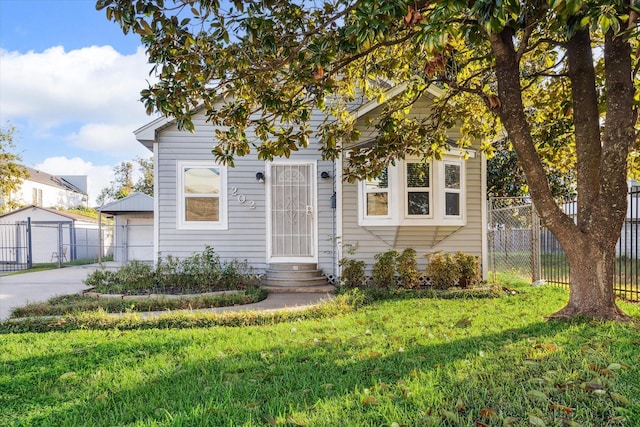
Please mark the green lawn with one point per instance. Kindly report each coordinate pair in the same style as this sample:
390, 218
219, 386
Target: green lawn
403, 362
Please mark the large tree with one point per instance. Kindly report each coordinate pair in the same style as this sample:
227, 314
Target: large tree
12, 172
557, 76
122, 184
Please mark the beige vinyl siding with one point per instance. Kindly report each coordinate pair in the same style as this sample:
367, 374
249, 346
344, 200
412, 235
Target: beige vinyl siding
246, 236
367, 241
371, 240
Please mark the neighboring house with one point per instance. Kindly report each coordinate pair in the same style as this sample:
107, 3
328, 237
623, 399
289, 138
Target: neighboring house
46, 190
293, 214
133, 217
56, 234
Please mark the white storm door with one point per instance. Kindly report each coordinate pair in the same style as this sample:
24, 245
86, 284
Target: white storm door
292, 221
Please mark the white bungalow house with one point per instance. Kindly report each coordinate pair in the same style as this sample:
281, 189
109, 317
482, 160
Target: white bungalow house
50, 191
297, 214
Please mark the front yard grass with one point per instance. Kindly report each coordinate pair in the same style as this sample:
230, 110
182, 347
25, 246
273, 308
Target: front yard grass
398, 362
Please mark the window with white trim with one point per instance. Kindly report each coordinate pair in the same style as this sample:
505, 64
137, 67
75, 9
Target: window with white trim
418, 189
201, 195
376, 194
452, 188
414, 192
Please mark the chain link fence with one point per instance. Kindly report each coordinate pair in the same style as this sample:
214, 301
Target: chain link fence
518, 244
513, 245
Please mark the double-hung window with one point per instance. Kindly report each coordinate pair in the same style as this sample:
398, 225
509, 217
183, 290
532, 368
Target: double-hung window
452, 188
418, 190
376, 193
201, 194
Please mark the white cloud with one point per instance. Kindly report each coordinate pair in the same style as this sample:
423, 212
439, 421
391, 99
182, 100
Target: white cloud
94, 91
99, 176
108, 137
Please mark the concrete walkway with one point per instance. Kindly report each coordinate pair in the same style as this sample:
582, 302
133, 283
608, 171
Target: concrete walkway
19, 289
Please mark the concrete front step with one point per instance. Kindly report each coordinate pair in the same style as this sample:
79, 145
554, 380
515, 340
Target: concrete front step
293, 275
295, 281
292, 266
326, 289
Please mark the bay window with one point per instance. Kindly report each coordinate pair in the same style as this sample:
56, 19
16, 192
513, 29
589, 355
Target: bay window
414, 192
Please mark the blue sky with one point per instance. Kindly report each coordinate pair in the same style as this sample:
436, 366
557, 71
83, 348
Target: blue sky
70, 82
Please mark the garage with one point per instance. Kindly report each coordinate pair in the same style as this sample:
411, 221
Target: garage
133, 227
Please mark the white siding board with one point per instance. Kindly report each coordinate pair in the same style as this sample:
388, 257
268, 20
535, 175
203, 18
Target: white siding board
246, 235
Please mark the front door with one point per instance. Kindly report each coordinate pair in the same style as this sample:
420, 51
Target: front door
292, 213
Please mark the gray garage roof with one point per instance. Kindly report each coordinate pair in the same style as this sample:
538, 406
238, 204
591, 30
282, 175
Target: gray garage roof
135, 202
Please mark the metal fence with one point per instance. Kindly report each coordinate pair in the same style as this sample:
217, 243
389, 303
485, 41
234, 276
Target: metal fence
519, 244
27, 243
15, 245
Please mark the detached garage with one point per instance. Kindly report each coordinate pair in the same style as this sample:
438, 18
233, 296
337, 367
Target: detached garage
133, 222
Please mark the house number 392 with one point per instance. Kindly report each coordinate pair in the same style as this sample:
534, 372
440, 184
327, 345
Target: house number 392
242, 199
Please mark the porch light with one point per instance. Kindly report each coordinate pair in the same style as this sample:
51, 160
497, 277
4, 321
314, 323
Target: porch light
260, 177
325, 175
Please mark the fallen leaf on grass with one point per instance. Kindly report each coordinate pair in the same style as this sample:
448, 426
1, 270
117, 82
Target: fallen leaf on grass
487, 413
617, 397
535, 421
465, 322
268, 419
370, 400
451, 416
537, 395
548, 347
68, 375
566, 422
460, 405
509, 421
562, 408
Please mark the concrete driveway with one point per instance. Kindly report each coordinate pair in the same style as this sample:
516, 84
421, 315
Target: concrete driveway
19, 289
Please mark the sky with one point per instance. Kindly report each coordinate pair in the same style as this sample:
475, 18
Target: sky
70, 84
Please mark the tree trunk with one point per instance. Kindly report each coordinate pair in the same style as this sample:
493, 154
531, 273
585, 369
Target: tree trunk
592, 264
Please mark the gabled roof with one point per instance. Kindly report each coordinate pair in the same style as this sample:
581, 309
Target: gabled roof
52, 180
135, 202
68, 215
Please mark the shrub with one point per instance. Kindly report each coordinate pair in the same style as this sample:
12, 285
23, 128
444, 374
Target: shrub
352, 273
441, 270
468, 269
201, 272
407, 267
384, 270
445, 270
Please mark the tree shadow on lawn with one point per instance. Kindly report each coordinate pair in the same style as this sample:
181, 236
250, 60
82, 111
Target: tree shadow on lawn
309, 377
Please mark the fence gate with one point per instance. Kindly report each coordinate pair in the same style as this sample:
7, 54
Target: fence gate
15, 246
512, 237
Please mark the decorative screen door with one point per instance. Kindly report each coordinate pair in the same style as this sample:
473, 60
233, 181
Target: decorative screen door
292, 223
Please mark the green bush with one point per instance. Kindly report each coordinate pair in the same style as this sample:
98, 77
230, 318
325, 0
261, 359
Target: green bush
352, 273
441, 270
201, 272
384, 270
446, 270
407, 268
468, 269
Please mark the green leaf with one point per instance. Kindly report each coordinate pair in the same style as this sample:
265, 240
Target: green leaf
535, 421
